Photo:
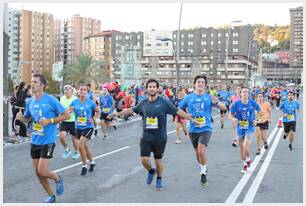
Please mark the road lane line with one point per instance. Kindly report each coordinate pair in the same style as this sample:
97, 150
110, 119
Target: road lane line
236, 192
256, 183
97, 157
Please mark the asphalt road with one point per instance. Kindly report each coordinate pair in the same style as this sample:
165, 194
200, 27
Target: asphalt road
276, 175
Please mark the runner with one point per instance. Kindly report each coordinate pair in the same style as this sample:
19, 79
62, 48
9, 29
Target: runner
43, 109
68, 126
84, 110
107, 105
243, 114
180, 122
235, 98
224, 97
199, 105
288, 109
90, 96
154, 138
263, 121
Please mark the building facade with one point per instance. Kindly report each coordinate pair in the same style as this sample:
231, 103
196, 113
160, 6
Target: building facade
296, 39
36, 44
69, 36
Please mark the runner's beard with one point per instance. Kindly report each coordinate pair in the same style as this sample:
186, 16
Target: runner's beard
152, 95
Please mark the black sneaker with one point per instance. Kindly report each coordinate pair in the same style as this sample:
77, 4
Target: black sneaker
266, 145
115, 127
96, 132
290, 147
91, 167
203, 179
84, 171
235, 144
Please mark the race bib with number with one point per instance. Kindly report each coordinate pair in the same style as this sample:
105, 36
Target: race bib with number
38, 129
244, 124
152, 123
82, 121
290, 117
201, 120
106, 110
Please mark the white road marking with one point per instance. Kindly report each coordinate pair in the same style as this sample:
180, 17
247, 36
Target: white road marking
243, 181
97, 157
256, 183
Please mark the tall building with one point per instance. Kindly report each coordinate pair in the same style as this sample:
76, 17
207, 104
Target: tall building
123, 39
13, 29
36, 43
154, 46
99, 47
69, 37
296, 40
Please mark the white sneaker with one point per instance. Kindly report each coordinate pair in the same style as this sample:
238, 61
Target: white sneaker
178, 141
244, 169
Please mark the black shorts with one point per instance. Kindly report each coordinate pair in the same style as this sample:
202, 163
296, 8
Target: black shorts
84, 132
42, 151
146, 147
289, 126
68, 127
223, 111
202, 138
104, 117
264, 125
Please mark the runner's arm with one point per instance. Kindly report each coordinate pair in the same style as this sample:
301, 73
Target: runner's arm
122, 113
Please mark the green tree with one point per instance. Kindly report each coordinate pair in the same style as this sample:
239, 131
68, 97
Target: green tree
84, 70
53, 86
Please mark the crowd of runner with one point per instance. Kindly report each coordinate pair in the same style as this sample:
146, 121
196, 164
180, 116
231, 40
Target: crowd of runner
80, 112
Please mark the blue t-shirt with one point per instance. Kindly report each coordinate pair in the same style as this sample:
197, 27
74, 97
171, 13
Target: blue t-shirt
46, 107
106, 103
224, 97
245, 113
83, 113
89, 95
284, 95
200, 108
289, 107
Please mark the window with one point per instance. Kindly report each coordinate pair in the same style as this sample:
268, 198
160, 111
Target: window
219, 42
211, 35
211, 43
203, 35
219, 34
203, 43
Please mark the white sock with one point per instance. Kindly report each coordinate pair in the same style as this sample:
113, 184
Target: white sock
244, 162
248, 159
92, 162
203, 169
67, 149
85, 166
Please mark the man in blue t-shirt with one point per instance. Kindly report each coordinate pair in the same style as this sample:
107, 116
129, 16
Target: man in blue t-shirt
224, 97
154, 112
84, 110
199, 105
243, 113
289, 108
45, 111
107, 105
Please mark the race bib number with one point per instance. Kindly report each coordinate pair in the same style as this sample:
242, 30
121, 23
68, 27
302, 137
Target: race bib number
82, 121
152, 123
201, 120
38, 129
106, 110
290, 117
244, 124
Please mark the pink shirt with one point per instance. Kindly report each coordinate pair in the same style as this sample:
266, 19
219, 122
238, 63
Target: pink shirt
235, 98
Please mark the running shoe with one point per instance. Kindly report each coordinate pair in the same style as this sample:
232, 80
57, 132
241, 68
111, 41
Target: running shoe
290, 147
115, 127
258, 152
150, 176
178, 141
203, 179
235, 144
60, 186
75, 156
66, 154
84, 171
50, 199
244, 169
91, 167
266, 145
159, 186
96, 132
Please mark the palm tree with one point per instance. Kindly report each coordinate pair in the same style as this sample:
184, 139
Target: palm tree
84, 70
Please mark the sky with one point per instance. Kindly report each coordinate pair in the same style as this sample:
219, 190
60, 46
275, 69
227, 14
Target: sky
165, 16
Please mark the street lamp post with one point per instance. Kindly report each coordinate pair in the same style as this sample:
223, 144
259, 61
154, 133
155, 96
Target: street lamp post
226, 52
